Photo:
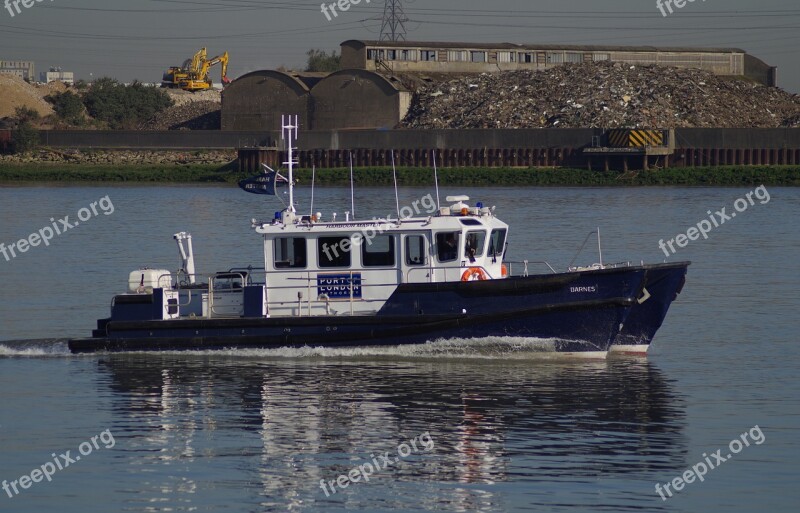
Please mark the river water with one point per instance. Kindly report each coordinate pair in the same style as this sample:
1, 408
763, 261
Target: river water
450, 426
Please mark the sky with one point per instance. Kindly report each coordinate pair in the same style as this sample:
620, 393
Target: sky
140, 39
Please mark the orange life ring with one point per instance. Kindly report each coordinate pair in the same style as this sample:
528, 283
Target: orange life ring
474, 271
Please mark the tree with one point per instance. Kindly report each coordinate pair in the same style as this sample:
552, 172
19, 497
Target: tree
26, 114
24, 138
124, 106
320, 60
68, 107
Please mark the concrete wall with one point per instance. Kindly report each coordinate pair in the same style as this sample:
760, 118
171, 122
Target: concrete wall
353, 55
736, 138
451, 139
758, 70
167, 139
257, 100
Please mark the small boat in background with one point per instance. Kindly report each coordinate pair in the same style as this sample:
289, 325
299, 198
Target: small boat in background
414, 279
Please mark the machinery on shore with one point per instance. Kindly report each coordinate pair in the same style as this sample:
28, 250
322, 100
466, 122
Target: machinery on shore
193, 75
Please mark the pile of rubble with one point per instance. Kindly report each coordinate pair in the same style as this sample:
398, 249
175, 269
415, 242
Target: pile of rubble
196, 115
602, 95
124, 157
191, 111
180, 97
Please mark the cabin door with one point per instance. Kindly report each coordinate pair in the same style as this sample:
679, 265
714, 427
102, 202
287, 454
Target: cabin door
415, 258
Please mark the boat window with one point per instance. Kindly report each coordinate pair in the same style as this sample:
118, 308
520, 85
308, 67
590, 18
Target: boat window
415, 250
473, 247
290, 253
470, 222
333, 251
378, 251
447, 246
497, 242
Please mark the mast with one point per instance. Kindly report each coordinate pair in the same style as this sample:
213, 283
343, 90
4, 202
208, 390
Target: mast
436, 181
289, 131
352, 192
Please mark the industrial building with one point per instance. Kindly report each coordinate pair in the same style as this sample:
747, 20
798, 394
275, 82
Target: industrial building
356, 98
21, 69
255, 101
57, 75
438, 57
345, 99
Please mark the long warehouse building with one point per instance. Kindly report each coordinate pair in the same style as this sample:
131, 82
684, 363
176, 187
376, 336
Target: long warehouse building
437, 57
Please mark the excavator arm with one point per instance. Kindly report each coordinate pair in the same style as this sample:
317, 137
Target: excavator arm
197, 61
220, 59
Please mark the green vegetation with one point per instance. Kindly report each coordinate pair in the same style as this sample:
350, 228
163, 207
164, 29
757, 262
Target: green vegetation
320, 60
122, 106
24, 138
68, 106
26, 114
204, 173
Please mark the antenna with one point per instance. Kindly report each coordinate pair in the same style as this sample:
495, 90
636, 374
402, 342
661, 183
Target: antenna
352, 193
599, 247
289, 131
313, 179
396, 197
436, 181
393, 27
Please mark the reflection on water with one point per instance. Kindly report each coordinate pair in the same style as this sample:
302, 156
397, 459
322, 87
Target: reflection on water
275, 427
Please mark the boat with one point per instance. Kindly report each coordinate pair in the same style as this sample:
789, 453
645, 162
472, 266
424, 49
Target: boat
417, 278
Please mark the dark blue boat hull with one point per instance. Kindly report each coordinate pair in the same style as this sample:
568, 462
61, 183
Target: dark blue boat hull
663, 284
577, 312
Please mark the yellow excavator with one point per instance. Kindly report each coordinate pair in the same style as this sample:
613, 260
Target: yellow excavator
193, 74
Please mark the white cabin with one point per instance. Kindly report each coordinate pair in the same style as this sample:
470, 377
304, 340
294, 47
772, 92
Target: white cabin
352, 267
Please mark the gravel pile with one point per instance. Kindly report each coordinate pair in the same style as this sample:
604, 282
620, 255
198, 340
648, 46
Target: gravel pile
602, 95
124, 157
181, 97
198, 115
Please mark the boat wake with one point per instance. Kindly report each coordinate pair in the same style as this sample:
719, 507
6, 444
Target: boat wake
56, 347
518, 348
501, 348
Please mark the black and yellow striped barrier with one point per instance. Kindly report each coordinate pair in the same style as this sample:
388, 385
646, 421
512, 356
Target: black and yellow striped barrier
636, 138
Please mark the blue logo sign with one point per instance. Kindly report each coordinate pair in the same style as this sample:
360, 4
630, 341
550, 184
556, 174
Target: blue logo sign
337, 286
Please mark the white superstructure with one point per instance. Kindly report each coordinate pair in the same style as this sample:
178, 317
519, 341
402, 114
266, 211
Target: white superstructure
323, 268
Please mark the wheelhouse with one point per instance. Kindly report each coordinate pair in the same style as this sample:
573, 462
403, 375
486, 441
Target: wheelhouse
324, 268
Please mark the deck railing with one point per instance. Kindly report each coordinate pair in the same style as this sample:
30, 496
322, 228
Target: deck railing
308, 300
